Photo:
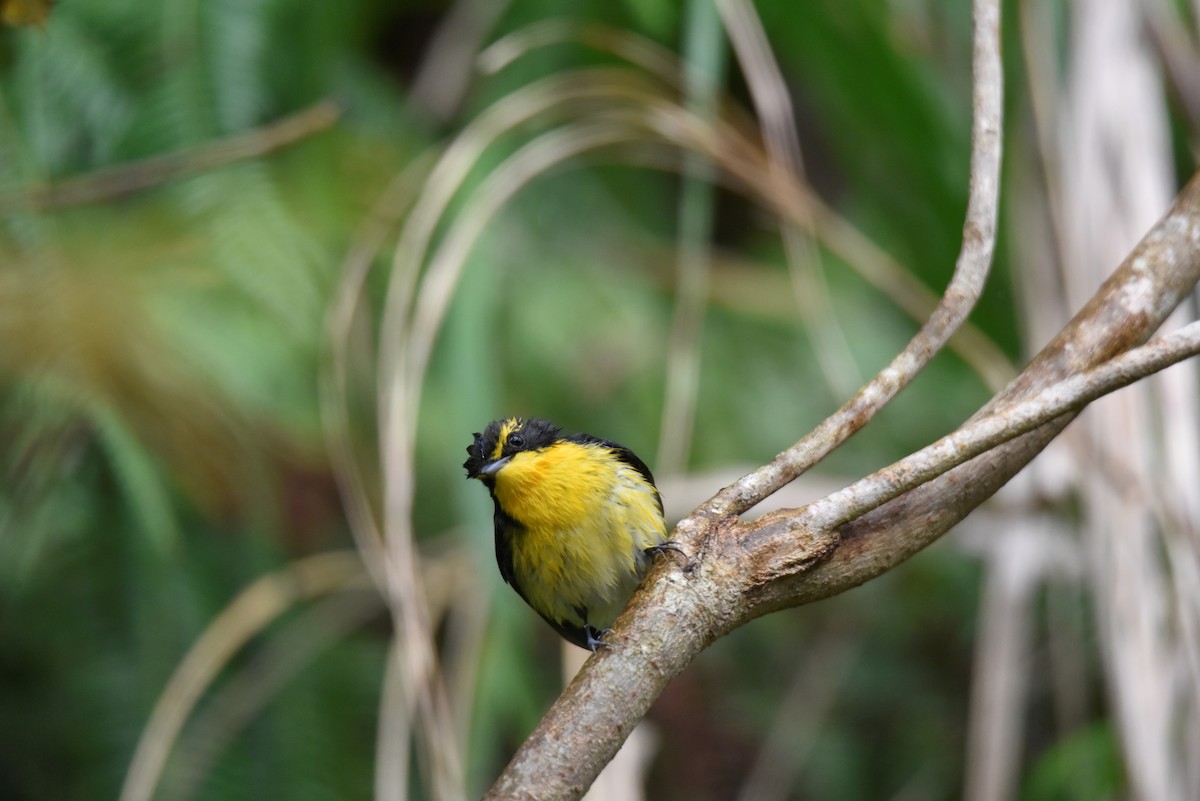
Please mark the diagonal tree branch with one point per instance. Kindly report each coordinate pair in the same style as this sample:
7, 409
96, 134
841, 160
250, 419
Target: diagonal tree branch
970, 273
738, 571
773, 106
1125, 311
563, 766
1003, 424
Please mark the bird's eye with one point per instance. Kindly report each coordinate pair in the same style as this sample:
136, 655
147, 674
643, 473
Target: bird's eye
516, 441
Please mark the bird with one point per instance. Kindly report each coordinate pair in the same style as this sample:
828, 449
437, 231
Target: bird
578, 521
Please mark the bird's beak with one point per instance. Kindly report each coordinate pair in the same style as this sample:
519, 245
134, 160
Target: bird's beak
492, 468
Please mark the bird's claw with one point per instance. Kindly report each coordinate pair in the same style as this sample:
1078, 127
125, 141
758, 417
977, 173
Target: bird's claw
595, 639
663, 547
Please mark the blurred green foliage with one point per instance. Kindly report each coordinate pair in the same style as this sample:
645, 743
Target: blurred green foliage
159, 424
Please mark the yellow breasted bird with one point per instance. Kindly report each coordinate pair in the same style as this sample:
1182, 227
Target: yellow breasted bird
578, 519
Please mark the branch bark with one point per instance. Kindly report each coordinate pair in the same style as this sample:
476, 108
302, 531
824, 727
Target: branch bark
737, 571
966, 285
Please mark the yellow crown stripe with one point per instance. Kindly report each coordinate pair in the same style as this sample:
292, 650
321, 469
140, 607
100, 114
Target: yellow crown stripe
507, 427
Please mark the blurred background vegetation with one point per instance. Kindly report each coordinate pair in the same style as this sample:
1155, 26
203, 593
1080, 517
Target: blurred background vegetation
181, 184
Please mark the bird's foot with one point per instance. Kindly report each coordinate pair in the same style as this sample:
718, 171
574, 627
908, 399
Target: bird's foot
663, 547
595, 639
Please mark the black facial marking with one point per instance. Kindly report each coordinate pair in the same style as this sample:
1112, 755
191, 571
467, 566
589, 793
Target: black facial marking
529, 435
475, 457
532, 435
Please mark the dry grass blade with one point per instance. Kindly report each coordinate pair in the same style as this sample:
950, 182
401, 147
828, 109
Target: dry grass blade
562, 95
247, 615
396, 716
240, 699
744, 167
800, 715
704, 47
1115, 170
1015, 562
394, 732
881, 271
444, 75
655, 118
969, 275
648, 55
460, 602
126, 179
773, 104
445, 268
335, 378
836, 233
1180, 56
401, 363
407, 338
